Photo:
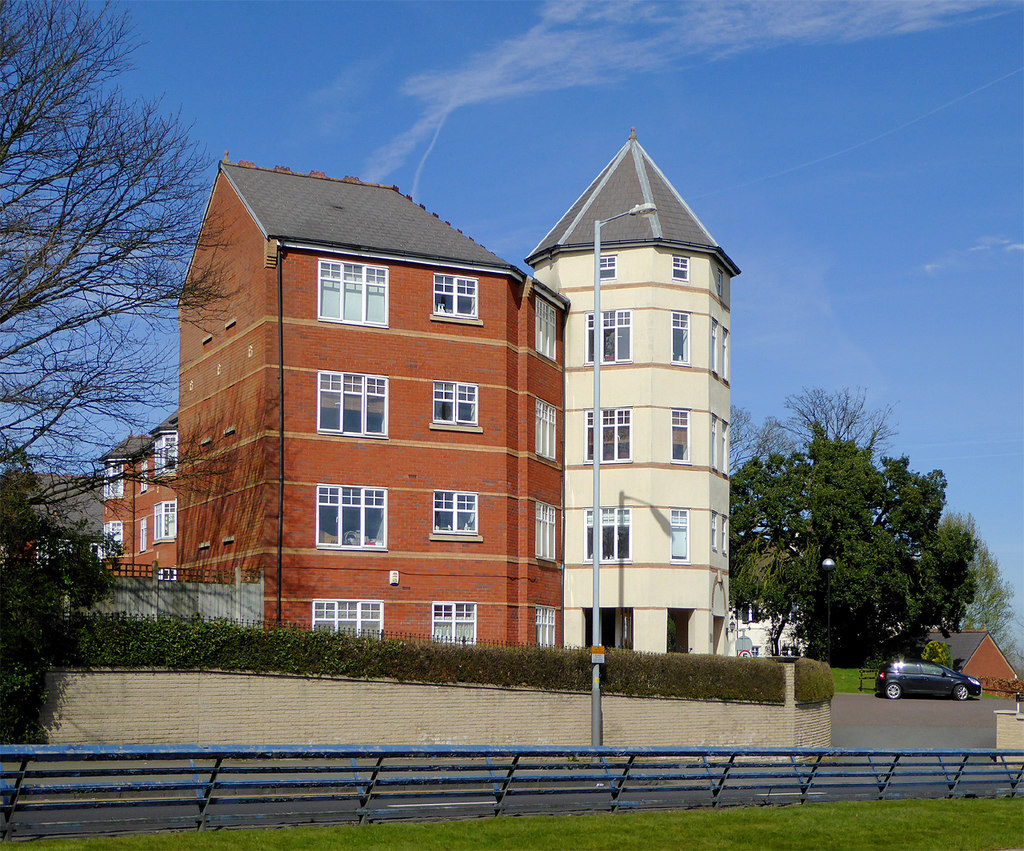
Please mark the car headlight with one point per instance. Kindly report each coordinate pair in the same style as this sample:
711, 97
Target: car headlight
973, 681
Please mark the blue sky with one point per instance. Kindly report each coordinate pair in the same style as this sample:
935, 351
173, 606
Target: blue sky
862, 162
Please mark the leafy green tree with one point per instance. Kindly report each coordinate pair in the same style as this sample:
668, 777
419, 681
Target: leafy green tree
935, 651
48, 572
992, 606
898, 572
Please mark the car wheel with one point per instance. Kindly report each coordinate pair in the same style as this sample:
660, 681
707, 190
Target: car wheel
893, 691
960, 692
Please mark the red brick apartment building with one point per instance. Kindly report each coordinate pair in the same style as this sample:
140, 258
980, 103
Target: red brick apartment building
140, 502
413, 380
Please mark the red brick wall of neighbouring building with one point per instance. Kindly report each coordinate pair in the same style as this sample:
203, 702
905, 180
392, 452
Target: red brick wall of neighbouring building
143, 490
229, 411
988, 662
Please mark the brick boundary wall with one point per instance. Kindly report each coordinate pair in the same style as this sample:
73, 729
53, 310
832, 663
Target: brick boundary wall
226, 708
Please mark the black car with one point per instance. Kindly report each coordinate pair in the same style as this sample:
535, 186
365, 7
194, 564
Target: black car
925, 678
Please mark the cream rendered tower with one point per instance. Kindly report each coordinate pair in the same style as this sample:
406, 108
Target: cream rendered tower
664, 344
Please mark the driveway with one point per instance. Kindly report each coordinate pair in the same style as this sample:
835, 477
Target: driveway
866, 721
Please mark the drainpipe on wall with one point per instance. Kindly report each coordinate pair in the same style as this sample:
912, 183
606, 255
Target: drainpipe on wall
280, 422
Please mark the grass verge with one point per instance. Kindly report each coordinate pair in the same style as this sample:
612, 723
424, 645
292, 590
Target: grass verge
847, 680
944, 825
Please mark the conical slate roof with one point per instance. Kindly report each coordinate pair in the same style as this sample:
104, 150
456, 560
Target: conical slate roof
631, 178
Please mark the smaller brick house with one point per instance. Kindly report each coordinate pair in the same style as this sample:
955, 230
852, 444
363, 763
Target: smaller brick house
975, 652
140, 505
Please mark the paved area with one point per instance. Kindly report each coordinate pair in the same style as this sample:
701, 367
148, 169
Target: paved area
866, 721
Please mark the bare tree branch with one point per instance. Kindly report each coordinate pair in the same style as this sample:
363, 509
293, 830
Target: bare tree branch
101, 199
842, 415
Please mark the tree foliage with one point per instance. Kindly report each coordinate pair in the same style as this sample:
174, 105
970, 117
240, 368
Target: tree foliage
48, 572
992, 606
898, 571
100, 204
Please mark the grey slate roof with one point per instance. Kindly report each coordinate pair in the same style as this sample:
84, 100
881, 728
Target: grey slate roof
631, 178
962, 645
351, 214
136, 445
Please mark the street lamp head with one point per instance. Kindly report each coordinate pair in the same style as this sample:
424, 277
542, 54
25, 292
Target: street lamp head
643, 210
828, 565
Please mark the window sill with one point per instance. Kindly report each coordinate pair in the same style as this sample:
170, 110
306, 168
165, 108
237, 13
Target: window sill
454, 536
354, 434
352, 549
471, 429
355, 324
677, 462
454, 319
680, 363
162, 540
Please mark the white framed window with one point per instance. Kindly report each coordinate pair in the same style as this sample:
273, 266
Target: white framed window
351, 517
165, 453
143, 534
455, 512
725, 534
454, 403
114, 529
725, 355
680, 268
616, 544
546, 332
714, 442
454, 622
719, 282
144, 475
714, 346
680, 337
455, 296
165, 521
350, 403
680, 520
609, 266
723, 447
113, 480
681, 436
167, 574
545, 626
545, 531
354, 293
616, 434
714, 532
358, 617
545, 426
616, 336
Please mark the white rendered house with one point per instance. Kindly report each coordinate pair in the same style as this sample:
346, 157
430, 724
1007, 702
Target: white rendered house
665, 348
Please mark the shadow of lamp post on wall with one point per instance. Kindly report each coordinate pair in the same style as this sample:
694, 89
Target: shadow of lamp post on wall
828, 566
597, 350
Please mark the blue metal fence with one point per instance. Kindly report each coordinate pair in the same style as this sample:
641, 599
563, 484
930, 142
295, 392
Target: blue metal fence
78, 790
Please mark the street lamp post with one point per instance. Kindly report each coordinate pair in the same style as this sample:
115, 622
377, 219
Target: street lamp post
597, 348
828, 566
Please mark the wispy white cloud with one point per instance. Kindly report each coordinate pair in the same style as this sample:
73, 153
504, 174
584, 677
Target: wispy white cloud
955, 257
594, 42
987, 243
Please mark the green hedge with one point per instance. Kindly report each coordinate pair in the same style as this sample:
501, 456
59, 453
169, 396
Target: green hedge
814, 681
197, 645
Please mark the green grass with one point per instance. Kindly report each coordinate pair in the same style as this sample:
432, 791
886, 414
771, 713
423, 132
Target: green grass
944, 825
846, 680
